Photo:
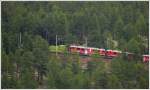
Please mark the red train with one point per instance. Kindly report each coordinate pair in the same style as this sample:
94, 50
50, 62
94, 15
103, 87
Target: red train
82, 50
113, 53
102, 52
90, 51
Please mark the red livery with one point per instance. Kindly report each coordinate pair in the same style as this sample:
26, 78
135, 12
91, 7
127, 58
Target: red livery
112, 53
145, 58
102, 52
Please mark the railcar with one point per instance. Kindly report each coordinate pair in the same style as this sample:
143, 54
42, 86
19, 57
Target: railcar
83, 51
112, 53
145, 58
90, 51
73, 49
102, 52
79, 49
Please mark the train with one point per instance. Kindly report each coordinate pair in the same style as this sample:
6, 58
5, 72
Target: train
82, 50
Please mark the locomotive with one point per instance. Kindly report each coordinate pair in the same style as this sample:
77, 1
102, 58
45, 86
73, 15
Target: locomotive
82, 50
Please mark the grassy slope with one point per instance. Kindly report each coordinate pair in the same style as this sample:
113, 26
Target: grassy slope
60, 48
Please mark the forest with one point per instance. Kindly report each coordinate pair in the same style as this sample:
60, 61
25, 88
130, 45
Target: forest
29, 28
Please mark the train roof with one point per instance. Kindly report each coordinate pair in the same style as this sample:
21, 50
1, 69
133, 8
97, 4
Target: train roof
101, 49
146, 55
84, 47
78, 46
94, 48
117, 51
114, 50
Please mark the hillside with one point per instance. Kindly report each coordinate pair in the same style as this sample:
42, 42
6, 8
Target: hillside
29, 30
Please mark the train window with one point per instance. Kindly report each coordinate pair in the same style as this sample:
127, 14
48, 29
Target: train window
81, 49
90, 49
78, 48
110, 52
115, 52
72, 47
107, 52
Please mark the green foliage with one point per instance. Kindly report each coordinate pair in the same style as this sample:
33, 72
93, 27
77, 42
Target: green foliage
41, 52
122, 19
133, 46
27, 60
129, 73
113, 82
27, 81
8, 83
28, 35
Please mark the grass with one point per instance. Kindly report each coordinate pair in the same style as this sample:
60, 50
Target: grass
60, 48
